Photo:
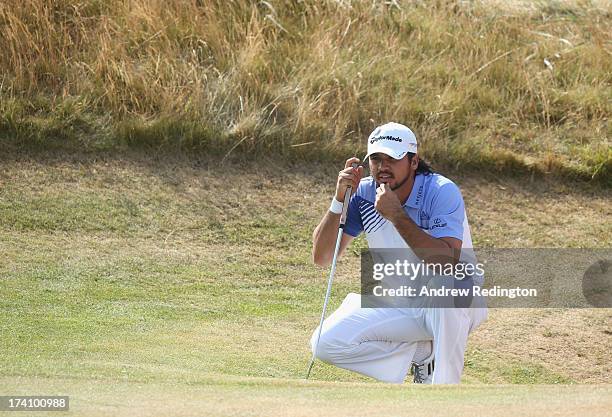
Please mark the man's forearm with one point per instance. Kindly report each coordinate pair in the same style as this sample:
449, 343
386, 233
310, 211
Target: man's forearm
325, 234
426, 247
324, 239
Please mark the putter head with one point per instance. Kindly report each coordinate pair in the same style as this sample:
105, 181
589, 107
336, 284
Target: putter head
309, 368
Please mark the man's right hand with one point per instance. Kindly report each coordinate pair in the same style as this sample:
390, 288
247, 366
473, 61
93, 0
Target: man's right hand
348, 177
325, 234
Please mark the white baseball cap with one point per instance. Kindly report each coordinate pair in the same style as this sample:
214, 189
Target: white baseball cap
392, 139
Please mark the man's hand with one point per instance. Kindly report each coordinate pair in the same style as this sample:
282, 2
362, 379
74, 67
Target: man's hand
349, 176
387, 203
325, 234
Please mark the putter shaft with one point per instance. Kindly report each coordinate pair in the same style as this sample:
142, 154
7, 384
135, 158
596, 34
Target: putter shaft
347, 197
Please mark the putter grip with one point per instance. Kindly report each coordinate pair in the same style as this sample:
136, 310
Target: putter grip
345, 204
347, 199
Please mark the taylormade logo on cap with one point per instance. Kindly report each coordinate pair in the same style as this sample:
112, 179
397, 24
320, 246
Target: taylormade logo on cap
392, 139
385, 138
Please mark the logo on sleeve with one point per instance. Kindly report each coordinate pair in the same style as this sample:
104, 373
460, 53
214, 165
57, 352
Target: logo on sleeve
437, 222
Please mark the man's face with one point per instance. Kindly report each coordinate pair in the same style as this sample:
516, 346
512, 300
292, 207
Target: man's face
394, 172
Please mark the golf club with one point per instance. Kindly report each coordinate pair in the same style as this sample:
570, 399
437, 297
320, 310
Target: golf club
347, 197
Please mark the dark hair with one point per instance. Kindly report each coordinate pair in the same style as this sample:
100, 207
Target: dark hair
423, 167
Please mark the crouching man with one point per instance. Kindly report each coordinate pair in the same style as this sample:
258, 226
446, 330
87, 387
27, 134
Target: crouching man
403, 205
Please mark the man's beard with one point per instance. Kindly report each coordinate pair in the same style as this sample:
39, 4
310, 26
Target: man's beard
401, 183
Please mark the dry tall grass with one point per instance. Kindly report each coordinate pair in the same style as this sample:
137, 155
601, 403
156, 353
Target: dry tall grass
481, 85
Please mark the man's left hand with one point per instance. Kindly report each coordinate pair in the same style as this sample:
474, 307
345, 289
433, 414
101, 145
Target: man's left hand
387, 203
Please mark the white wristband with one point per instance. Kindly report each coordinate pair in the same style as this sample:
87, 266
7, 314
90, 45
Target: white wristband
336, 206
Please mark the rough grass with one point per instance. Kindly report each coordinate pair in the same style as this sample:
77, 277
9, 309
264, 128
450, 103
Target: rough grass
485, 86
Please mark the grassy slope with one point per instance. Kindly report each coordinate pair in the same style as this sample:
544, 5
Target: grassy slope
487, 87
199, 273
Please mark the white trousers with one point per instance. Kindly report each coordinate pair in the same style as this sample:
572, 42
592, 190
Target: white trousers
381, 342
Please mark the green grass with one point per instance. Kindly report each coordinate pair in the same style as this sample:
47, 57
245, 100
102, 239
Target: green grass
219, 395
132, 275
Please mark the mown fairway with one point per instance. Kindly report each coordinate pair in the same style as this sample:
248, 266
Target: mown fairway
186, 286
218, 395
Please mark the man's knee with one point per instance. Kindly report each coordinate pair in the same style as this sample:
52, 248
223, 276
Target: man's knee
328, 347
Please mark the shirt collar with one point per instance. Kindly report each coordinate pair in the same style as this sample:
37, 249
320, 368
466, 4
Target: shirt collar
415, 199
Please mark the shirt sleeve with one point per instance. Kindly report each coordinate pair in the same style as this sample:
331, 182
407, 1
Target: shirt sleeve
447, 213
353, 225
